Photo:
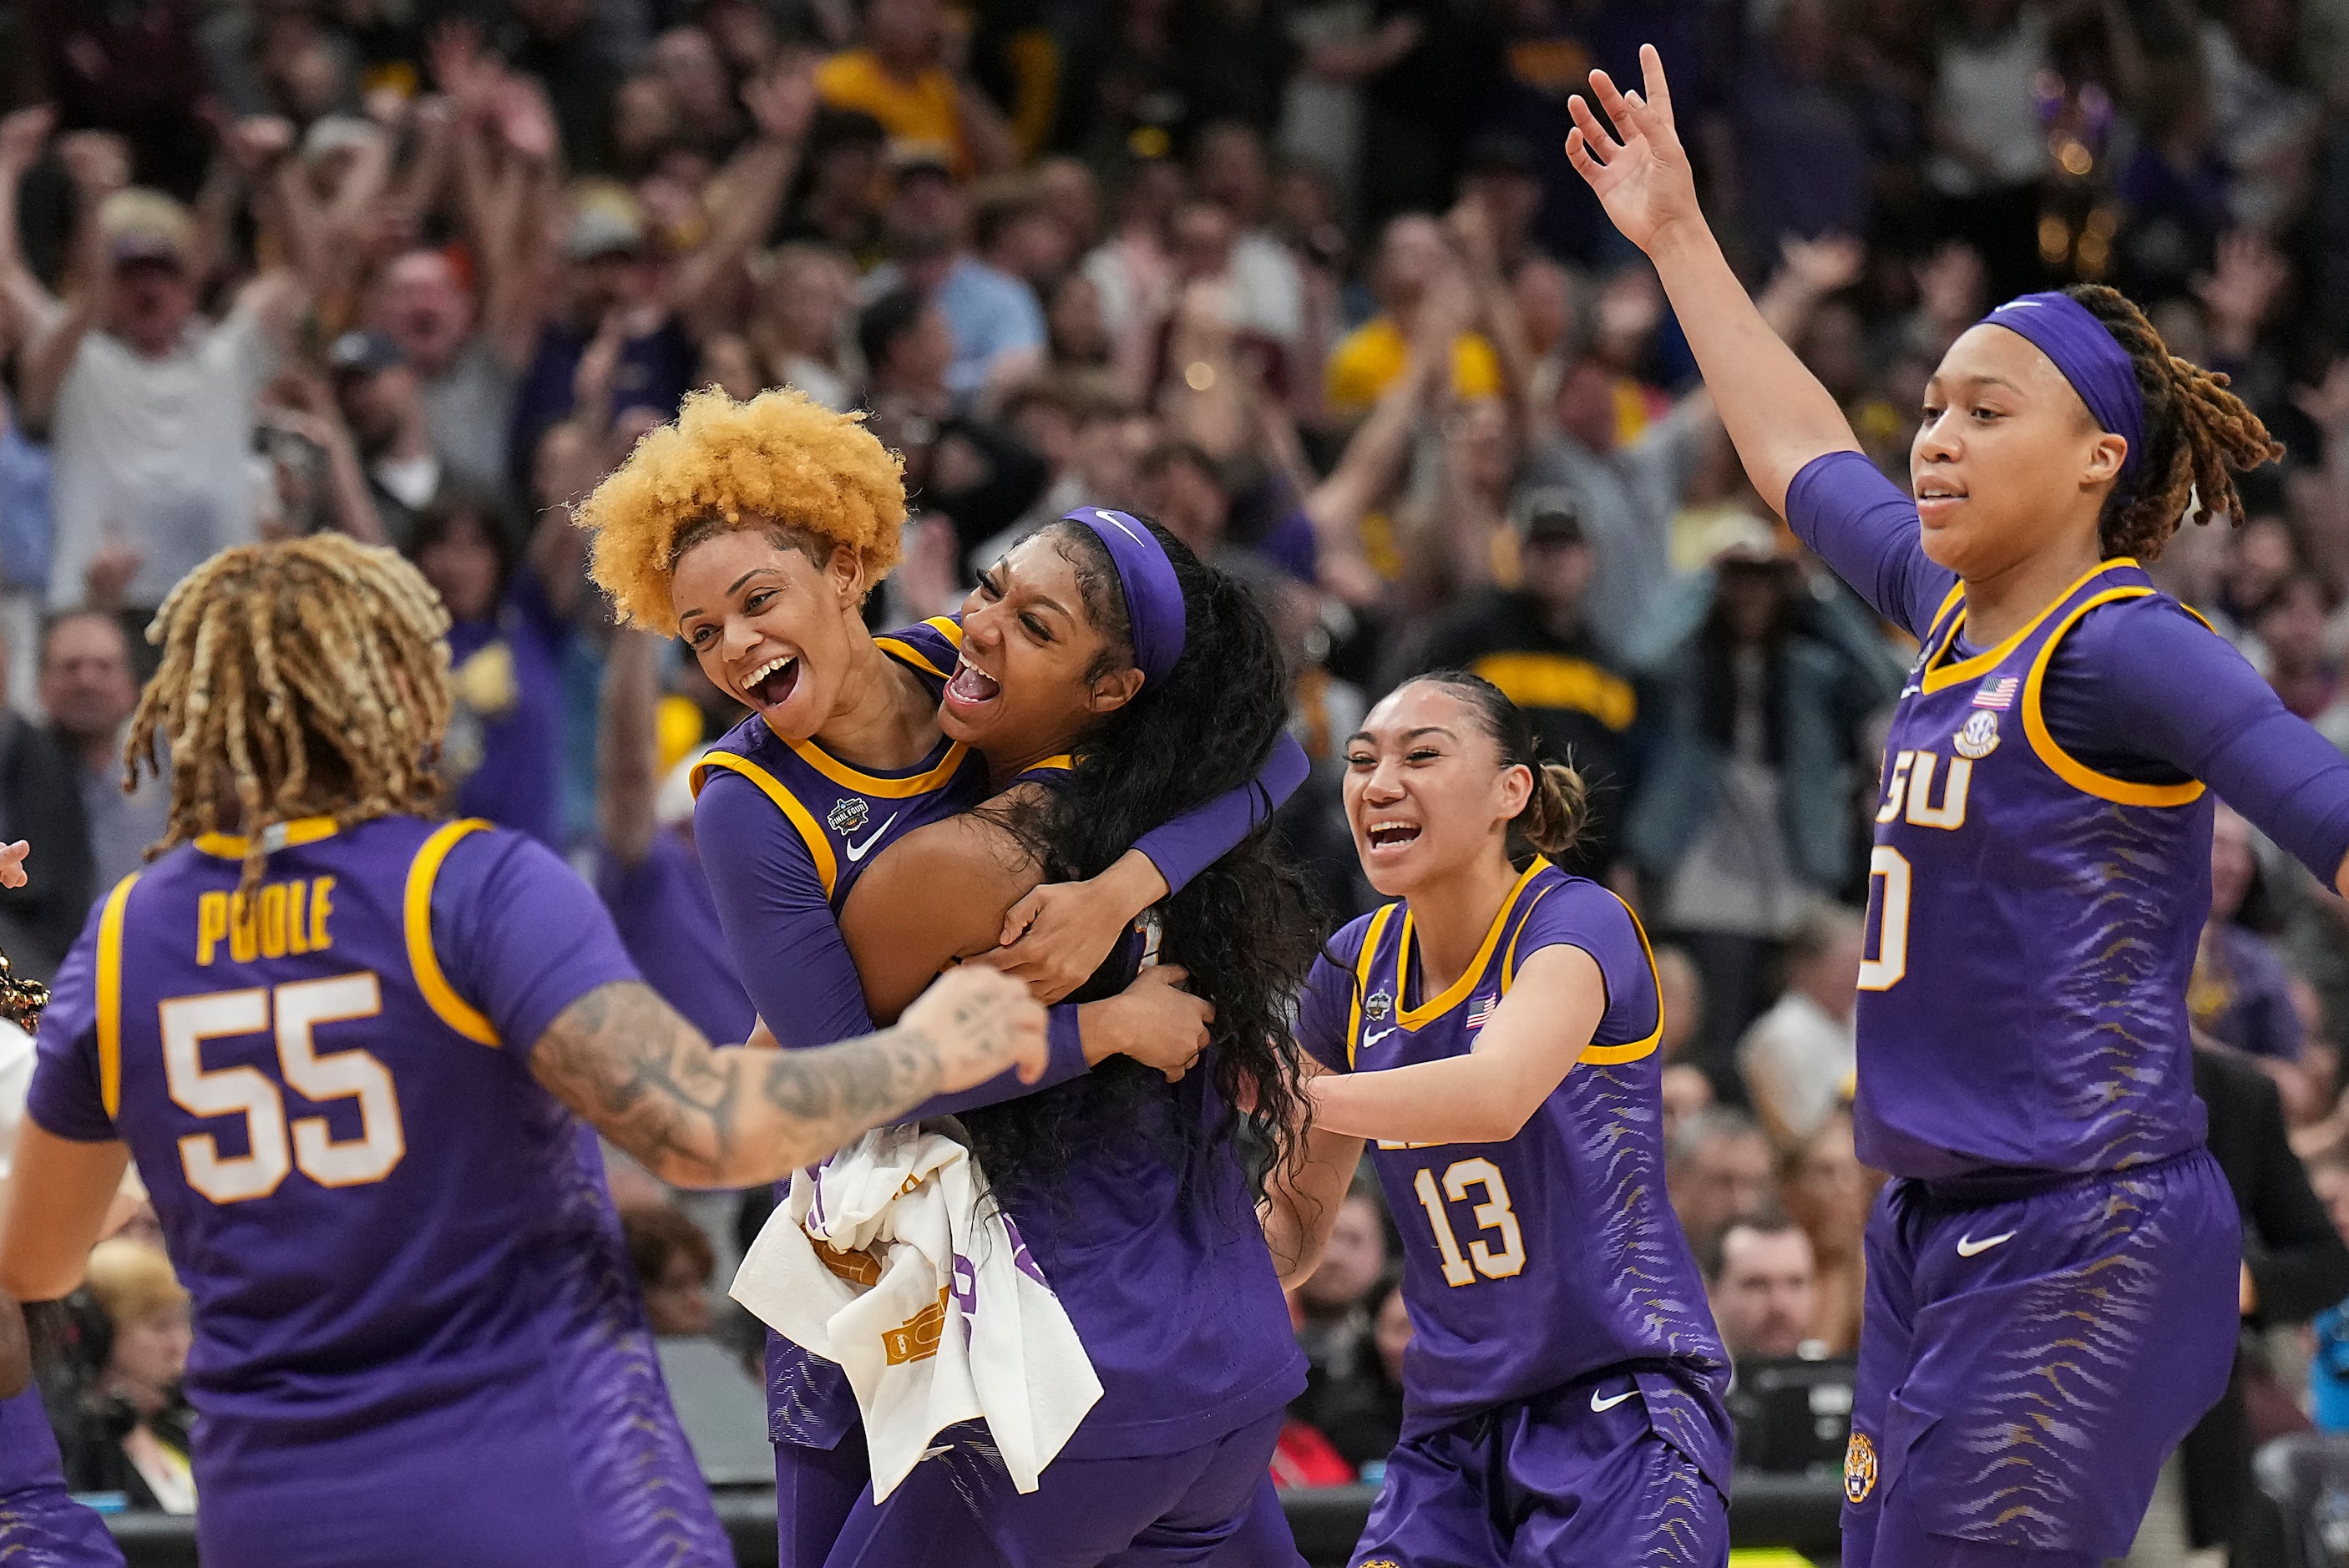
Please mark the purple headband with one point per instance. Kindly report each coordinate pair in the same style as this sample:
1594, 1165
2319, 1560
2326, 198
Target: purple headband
1154, 598
2095, 364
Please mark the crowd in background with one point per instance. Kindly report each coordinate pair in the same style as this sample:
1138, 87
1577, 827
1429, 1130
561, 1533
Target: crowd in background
1309, 281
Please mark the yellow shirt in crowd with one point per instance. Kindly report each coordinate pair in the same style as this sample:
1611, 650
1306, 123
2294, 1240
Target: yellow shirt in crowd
1368, 359
921, 111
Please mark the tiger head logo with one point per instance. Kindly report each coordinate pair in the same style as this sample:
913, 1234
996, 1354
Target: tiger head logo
1858, 1469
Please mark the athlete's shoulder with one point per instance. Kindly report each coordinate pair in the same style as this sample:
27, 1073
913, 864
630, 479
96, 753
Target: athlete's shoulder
1560, 907
930, 648
1344, 948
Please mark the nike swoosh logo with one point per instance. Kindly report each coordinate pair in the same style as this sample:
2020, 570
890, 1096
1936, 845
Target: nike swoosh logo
1968, 1247
858, 852
1603, 1406
1370, 1040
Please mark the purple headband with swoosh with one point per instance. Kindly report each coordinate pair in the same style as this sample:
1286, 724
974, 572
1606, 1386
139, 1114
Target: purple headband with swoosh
1154, 598
2096, 366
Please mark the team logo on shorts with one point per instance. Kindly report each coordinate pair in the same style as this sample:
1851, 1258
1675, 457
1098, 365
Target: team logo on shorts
1858, 1469
848, 814
1979, 736
1377, 1005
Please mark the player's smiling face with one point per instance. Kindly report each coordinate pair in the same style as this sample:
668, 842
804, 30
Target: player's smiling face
1035, 672
2006, 449
769, 626
1426, 794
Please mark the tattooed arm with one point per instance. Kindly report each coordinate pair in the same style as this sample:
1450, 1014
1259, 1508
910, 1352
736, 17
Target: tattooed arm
697, 1117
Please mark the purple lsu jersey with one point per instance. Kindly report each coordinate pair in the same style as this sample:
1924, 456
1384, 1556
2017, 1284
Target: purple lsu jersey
416, 1334
1533, 1262
40, 1526
2032, 926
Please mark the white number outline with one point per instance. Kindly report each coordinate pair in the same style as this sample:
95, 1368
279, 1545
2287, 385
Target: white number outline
278, 1146
1494, 1215
1884, 971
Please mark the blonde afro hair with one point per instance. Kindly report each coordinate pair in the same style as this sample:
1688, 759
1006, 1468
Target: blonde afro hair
780, 460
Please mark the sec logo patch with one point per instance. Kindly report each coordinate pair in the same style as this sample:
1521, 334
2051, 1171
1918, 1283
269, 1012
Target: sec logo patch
1858, 1469
1977, 738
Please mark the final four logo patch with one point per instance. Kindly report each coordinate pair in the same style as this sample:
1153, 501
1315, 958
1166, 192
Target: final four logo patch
1977, 738
1378, 1004
848, 814
1858, 1469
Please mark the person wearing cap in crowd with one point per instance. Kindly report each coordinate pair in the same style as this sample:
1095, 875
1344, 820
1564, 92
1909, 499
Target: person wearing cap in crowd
900, 77
379, 396
1743, 813
996, 324
466, 338
149, 408
1534, 642
610, 270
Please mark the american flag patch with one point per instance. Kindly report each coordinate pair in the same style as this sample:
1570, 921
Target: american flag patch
1481, 1012
1998, 693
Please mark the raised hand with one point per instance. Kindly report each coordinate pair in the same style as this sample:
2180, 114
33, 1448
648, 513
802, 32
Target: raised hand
2249, 278
1826, 265
23, 135
979, 1022
97, 161
783, 101
1644, 180
2327, 402
256, 142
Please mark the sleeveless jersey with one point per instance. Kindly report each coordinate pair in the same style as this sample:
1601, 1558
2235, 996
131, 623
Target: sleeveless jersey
2032, 926
405, 1265
1533, 1262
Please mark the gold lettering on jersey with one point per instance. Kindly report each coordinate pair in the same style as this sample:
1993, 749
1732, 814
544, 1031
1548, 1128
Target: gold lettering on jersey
1908, 790
284, 917
916, 1338
1896, 787
1951, 812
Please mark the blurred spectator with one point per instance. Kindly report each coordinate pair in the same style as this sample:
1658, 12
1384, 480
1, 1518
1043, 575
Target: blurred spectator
1827, 1192
2294, 1265
1362, 1413
901, 78
2241, 995
41, 789
1745, 807
995, 325
89, 689
133, 68
2289, 626
504, 752
835, 202
801, 333
1334, 1302
1989, 148
131, 1434
1413, 263
1268, 288
466, 358
1532, 641
150, 411
1802, 153
1719, 1171
379, 398
1797, 1059
674, 1266
1758, 1278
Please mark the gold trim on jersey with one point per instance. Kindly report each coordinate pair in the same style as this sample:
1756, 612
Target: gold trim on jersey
802, 820
873, 784
110, 995
285, 835
2088, 782
1630, 1051
1454, 994
416, 910
1363, 961
1982, 664
942, 625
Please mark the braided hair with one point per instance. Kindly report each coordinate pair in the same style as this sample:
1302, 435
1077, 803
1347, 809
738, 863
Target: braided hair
2195, 432
309, 676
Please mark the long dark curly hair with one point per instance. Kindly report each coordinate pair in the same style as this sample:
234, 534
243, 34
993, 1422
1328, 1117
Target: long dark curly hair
1244, 928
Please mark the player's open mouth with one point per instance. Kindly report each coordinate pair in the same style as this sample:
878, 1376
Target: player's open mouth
1390, 835
971, 686
773, 681
1935, 496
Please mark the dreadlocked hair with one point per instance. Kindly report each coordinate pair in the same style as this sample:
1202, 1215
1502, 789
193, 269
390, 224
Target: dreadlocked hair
2196, 431
309, 676
1244, 928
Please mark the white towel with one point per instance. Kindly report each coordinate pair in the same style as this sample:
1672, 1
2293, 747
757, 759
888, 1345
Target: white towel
888, 1261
